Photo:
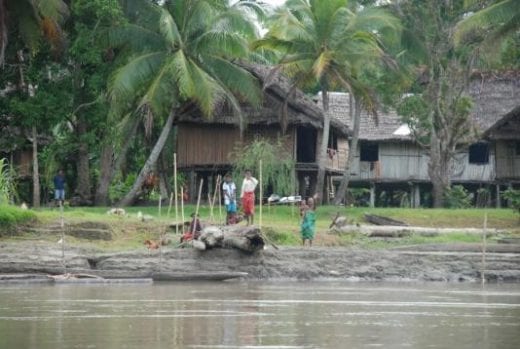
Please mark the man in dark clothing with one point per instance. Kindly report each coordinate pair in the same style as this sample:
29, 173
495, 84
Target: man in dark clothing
59, 187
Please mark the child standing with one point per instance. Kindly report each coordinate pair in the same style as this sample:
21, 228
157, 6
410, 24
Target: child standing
308, 227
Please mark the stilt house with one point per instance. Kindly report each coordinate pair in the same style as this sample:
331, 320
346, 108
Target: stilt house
389, 161
205, 147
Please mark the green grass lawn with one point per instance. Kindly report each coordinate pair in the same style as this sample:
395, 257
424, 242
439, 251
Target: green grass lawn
281, 223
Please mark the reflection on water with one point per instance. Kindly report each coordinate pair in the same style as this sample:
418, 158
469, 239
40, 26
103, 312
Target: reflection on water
260, 315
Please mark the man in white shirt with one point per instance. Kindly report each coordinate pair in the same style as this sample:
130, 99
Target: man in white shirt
247, 194
230, 198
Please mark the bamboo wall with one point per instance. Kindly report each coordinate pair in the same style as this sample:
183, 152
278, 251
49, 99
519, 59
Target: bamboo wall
408, 162
507, 160
207, 145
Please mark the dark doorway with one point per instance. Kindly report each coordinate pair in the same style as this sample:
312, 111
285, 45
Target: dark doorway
306, 144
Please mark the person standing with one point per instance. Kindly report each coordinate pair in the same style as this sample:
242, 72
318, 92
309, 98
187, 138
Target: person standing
247, 194
230, 199
59, 187
308, 227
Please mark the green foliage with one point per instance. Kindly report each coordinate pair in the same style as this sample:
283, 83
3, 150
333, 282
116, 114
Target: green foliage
457, 197
119, 188
514, 198
7, 185
277, 165
12, 215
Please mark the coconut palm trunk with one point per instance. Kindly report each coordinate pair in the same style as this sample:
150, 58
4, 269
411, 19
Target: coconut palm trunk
149, 164
320, 182
342, 190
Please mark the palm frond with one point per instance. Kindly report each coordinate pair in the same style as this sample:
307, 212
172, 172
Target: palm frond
169, 29
129, 79
137, 38
488, 20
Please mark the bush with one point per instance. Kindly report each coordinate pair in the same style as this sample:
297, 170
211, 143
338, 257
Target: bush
457, 197
514, 198
7, 191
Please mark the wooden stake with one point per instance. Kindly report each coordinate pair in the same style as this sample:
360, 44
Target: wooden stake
170, 204
198, 198
483, 271
220, 201
210, 208
182, 208
159, 206
261, 195
62, 225
175, 192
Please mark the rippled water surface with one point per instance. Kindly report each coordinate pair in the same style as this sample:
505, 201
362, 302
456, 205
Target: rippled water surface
260, 315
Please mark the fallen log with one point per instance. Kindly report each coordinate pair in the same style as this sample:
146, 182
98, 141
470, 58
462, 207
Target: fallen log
394, 231
212, 236
380, 220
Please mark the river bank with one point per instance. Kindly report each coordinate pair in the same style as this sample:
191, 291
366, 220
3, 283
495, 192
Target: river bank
462, 262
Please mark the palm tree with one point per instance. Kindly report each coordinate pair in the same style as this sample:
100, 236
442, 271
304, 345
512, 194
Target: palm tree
183, 54
490, 24
326, 43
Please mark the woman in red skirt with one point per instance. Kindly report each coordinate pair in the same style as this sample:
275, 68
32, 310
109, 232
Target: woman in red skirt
247, 194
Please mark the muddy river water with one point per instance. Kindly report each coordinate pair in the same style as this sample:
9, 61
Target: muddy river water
260, 315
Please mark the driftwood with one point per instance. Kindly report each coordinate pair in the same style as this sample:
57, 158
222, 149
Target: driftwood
380, 220
338, 221
248, 239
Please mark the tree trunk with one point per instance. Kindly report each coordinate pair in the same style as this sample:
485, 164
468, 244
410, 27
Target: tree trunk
154, 155
36, 174
3, 31
82, 163
322, 155
110, 164
438, 170
105, 173
342, 190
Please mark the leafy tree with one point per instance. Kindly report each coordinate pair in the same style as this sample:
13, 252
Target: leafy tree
277, 164
327, 43
438, 111
514, 198
183, 55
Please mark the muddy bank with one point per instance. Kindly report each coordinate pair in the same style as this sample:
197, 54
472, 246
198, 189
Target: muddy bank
416, 264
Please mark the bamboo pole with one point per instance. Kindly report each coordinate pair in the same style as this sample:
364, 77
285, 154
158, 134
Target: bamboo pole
484, 242
170, 204
175, 191
261, 195
182, 207
198, 198
159, 206
220, 201
210, 208
62, 225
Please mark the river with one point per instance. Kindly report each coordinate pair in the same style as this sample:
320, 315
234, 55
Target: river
260, 315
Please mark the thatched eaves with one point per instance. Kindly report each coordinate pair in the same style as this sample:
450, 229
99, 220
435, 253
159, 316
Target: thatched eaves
388, 128
506, 128
301, 109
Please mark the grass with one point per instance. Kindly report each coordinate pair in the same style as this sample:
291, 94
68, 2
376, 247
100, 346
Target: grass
281, 224
11, 216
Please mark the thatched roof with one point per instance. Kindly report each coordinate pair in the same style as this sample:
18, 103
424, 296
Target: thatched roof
301, 110
508, 127
388, 127
494, 96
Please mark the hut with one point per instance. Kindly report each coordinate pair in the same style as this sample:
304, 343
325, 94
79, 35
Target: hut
204, 147
389, 161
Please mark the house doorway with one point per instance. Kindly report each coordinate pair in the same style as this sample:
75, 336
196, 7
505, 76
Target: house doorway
306, 138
